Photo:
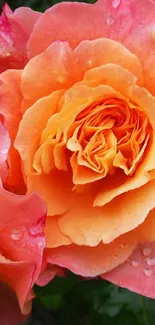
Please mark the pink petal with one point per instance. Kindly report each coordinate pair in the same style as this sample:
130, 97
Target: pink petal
137, 273
15, 30
70, 21
131, 23
8, 298
21, 242
49, 273
26, 18
91, 261
10, 103
4, 148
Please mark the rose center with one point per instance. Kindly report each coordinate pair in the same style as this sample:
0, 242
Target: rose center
107, 135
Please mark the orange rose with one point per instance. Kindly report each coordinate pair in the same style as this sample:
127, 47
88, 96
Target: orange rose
81, 121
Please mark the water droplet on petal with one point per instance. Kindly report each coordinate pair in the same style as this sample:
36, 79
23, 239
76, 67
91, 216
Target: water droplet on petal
16, 234
150, 261
116, 3
153, 34
76, 60
109, 20
40, 244
123, 245
147, 251
61, 79
103, 271
135, 263
89, 62
148, 272
116, 256
33, 231
4, 151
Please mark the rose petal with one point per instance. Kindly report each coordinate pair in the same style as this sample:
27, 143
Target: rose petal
146, 101
63, 67
57, 22
76, 99
10, 272
130, 23
92, 261
58, 195
88, 226
113, 75
54, 67
91, 54
31, 126
138, 273
145, 232
113, 186
4, 148
10, 102
50, 272
21, 241
15, 30
8, 298
54, 236
26, 18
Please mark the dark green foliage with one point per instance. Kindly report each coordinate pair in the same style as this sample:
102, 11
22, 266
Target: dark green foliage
74, 301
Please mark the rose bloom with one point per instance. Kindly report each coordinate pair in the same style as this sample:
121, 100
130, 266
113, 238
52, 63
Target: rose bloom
78, 128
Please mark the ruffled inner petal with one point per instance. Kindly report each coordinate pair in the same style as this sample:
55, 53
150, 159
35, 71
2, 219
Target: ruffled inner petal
110, 134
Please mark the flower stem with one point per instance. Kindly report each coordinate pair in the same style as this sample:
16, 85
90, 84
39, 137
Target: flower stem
145, 311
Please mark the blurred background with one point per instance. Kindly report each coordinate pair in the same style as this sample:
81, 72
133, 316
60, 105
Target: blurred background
75, 301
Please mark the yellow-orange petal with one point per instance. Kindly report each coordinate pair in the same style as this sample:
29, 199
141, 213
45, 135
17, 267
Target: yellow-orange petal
86, 225
53, 235
145, 232
55, 189
119, 183
146, 101
31, 126
95, 53
54, 69
112, 75
75, 100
